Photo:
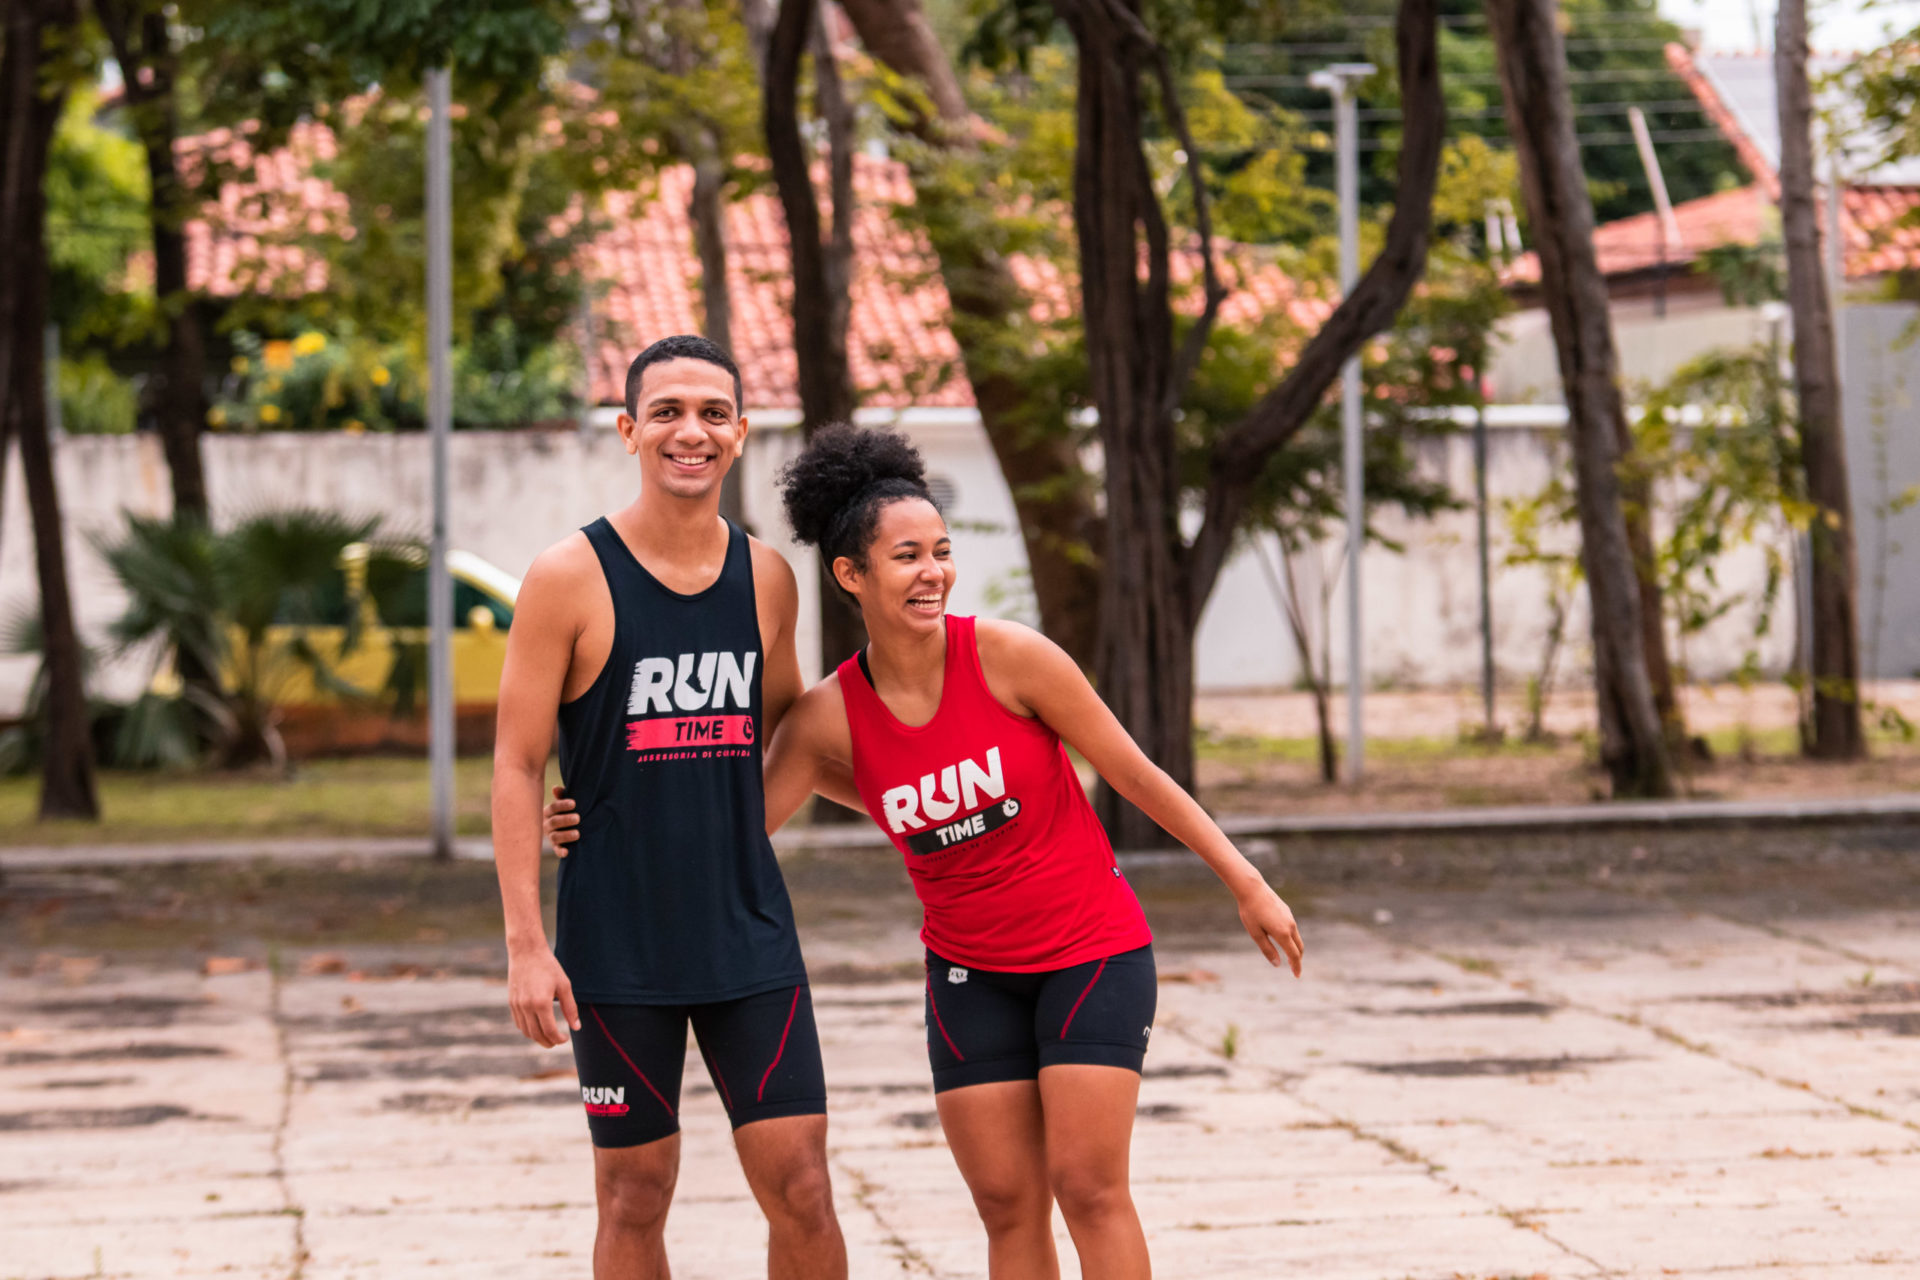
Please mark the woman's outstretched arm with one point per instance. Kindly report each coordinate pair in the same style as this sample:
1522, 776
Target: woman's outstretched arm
1031, 674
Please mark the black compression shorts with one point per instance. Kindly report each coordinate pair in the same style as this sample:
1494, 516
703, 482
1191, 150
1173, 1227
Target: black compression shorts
985, 1026
762, 1053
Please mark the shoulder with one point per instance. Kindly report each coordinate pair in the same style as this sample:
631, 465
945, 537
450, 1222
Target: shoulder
769, 565
566, 565
1001, 641
773, 578
822, 710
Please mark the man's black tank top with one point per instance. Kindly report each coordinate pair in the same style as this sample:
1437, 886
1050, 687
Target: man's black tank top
672, 895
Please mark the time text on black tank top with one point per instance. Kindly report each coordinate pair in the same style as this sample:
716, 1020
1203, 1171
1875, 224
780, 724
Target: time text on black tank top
672, 895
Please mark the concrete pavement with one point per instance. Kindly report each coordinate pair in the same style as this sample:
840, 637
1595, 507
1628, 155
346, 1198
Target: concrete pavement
1566, 1081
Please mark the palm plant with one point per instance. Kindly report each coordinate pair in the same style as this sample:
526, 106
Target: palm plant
222, 597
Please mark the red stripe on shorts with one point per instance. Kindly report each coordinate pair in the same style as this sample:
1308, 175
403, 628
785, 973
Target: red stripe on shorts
629, 1061
782, 1051
1083, 996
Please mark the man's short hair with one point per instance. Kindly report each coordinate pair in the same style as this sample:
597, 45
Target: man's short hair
681, 346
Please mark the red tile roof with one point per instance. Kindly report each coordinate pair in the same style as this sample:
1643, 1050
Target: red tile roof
901, 349
1740, 216
898, 341
1879, 225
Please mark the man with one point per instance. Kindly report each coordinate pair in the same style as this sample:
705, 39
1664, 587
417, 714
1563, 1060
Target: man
660, 639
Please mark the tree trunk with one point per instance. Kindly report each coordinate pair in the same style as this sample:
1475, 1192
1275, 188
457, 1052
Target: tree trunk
822, 272
144, 49
30, 114
1154, 585
1052, 494
698, 141
1144, 654
1533, 69
1837, 731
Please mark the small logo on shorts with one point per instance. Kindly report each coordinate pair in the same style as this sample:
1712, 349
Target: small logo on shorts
1146, 1033
604, 1102
956, 976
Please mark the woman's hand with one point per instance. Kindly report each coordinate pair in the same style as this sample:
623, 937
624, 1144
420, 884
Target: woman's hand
561, 825
1269, 922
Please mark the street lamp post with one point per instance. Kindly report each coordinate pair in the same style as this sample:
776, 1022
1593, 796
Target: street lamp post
440, 725
1338, 80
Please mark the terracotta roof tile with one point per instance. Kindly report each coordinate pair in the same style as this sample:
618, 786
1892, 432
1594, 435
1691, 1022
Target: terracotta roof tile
899, 344
1879, 225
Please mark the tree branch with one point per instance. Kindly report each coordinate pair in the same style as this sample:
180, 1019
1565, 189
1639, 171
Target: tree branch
1370, 308
1194, 345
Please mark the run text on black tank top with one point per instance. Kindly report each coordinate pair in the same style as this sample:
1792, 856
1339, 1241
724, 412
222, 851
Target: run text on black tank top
672, 895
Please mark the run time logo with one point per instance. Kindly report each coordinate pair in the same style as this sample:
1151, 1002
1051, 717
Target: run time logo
678, 706
604, 1102
925, 812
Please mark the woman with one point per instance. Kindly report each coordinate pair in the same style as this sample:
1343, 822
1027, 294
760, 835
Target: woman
1040, 977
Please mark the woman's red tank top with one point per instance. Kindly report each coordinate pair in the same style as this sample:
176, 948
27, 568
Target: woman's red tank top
1012, 867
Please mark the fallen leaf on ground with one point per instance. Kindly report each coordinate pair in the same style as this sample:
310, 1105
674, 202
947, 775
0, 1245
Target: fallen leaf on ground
222, 966
324, 962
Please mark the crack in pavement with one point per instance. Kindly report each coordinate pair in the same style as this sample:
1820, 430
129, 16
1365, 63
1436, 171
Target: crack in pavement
911, 1260
291, 1205
1284, 1082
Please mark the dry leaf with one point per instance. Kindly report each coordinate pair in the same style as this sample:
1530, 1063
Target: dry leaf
221, 966
324, 962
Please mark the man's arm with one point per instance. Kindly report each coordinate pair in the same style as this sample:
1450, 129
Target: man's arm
539, 649
777, 599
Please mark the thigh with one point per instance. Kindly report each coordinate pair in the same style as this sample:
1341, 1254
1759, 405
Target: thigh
979, 1025
998, 1138
1099, 1013
763, 1054
629, 1059
1089, 1123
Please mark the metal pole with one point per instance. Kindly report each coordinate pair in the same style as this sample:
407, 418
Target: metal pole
1669, 226
440, 429
1337, 80
1486, 554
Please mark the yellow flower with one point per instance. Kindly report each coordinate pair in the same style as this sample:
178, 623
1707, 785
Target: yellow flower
309, 342
354, 427
269, 413
380, 375
216, 417
240, 364
272, 384
278, 356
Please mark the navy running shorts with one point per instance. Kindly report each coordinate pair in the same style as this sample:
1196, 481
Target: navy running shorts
762, 1053
985, 1026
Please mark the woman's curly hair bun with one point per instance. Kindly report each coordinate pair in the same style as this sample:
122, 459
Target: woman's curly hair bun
834, 490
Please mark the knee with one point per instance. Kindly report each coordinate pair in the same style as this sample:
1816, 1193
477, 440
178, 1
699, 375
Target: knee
803, 1198
635, 1199
1090, 1195
1011, 1206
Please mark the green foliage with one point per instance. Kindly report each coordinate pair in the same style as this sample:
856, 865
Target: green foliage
1748, 274
351, 383
1721, 436
1614, 51
97, 195
223, 596
94, 398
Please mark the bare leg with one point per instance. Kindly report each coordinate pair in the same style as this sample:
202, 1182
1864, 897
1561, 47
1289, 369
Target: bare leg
786, 1165
999, 1141
634, 1187
1089, 1126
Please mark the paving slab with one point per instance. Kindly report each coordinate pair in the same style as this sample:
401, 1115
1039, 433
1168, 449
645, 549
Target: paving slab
1569, 1081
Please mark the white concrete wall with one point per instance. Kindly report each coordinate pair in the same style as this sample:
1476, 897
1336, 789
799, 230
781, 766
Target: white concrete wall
518, 492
